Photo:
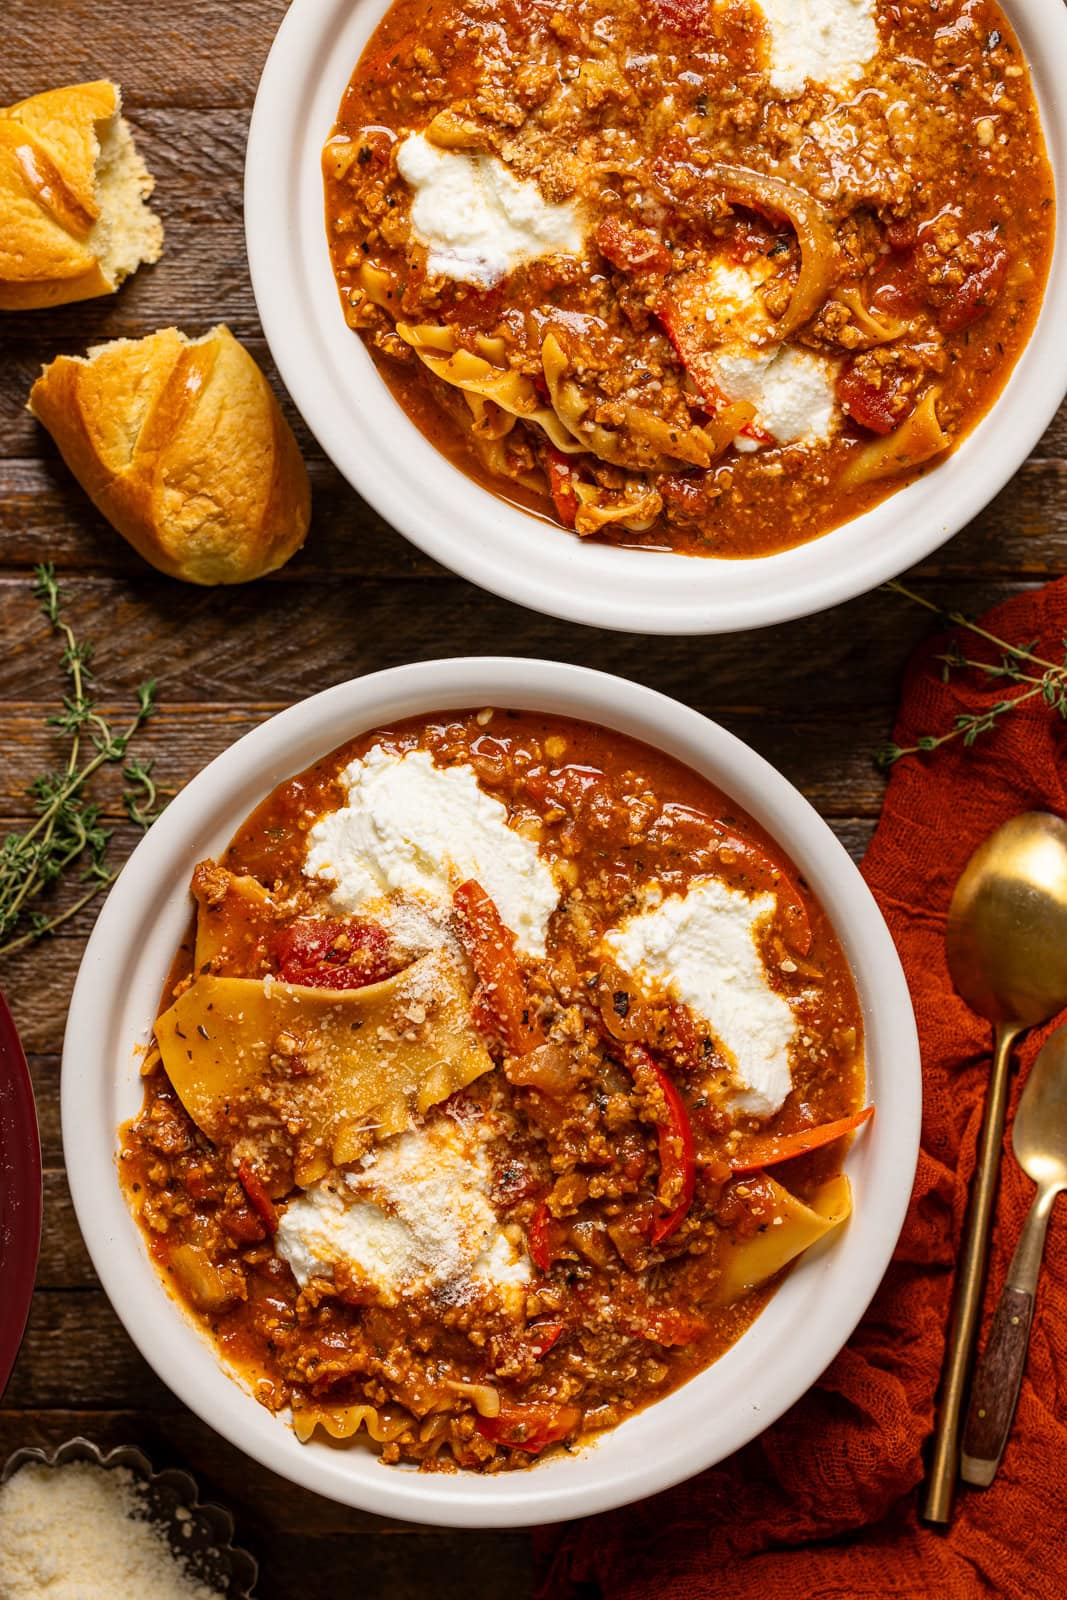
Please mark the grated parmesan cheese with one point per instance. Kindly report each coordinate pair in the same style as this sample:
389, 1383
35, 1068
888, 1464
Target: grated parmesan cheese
414, 1218
81, 1532
413, 826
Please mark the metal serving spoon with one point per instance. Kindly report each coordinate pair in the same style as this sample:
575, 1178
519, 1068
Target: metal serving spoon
1007, 953
1039, 1139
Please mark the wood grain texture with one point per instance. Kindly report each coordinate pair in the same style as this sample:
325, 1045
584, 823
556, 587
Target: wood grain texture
995, 1386
815, 697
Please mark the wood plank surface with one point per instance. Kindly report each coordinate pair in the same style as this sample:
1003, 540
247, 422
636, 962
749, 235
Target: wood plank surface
815, 697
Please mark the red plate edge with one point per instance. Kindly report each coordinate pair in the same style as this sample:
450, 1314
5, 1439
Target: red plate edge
20, 1192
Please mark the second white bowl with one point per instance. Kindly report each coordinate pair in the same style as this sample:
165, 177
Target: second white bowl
383, 455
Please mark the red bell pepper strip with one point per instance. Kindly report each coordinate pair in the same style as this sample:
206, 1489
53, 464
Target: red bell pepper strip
491, 948
677, 1162
538, 1239
531, 1427
258, 1198
771, 1148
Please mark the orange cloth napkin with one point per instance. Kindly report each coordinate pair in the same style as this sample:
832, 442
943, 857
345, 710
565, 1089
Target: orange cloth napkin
824, 1504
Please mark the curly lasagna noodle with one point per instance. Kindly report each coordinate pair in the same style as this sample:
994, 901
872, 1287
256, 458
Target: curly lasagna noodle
505, 1070
710, 275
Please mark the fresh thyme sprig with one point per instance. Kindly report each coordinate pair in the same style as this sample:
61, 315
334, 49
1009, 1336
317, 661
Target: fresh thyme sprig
1036, 677
67, 830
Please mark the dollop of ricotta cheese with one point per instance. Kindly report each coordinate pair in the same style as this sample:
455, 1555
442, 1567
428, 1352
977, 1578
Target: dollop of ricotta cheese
701, 948
476, 218
411, 825
825, 41
413, 1219
793, 390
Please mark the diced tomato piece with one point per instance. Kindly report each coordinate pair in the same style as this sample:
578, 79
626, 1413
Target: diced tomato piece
561, 485
541, 1336
467, 305
668, 1326
531, 1427
632, 249
258, 1197
685, 1030
338, 953
901, 236
682, 16
771, 1148
384, 67
491, 949
378, 141
979, 288
242, 1224
872, 408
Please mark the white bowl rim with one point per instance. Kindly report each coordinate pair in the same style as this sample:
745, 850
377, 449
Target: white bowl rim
113, 1005
388, 461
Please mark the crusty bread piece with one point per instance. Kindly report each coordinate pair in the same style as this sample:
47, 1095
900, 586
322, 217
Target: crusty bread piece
73, 218
183, 447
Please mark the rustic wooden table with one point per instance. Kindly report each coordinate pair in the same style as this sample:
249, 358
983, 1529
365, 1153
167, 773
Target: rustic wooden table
815, 697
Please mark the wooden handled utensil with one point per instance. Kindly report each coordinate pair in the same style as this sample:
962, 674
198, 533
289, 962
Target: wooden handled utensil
1039, 1139
1006, 942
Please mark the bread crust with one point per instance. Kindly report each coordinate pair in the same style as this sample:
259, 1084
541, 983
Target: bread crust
49, 197
182, 446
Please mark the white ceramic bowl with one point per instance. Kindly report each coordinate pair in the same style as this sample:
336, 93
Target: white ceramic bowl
115, 1002
382, 454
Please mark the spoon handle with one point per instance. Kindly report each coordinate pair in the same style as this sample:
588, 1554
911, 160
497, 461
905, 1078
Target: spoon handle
995, 1391
970, 1282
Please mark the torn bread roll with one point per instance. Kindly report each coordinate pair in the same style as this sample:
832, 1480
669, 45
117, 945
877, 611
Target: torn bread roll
183, 447
73, 217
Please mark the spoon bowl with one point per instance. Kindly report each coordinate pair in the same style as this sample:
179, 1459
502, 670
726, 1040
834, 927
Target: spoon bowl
1007, 924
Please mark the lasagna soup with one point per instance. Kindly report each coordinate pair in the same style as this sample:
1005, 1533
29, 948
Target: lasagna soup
504, 1071
706, 275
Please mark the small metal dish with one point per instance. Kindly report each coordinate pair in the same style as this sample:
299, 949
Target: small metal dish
201, 1535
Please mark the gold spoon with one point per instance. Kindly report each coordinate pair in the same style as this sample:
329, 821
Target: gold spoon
1007, 953
1039, 1139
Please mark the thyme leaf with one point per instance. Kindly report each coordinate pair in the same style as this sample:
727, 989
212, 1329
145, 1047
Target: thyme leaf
1019, 665
67, 833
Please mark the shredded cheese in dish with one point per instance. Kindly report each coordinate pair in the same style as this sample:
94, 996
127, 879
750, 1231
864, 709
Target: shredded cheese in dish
79, 1531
